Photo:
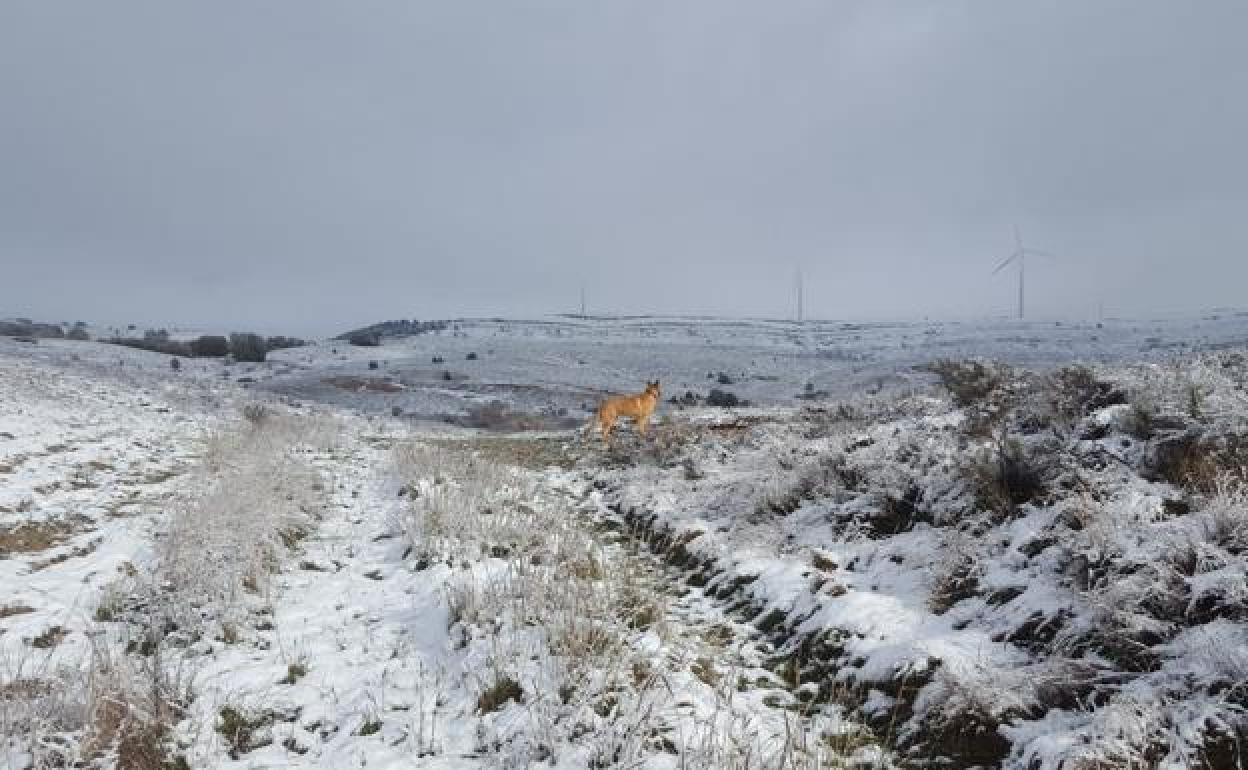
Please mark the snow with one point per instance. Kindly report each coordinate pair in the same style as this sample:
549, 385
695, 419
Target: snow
398, 622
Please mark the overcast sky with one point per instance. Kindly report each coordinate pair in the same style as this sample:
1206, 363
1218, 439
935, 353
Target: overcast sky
306, 166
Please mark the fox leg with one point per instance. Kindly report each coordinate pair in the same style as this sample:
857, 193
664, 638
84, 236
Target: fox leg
643, 421
606, 426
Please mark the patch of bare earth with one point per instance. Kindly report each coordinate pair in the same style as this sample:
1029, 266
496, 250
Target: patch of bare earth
535, 453
30, 537
367, 384
9, 610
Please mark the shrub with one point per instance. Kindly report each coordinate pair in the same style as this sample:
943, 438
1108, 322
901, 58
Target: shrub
281, 343
402, 328
968, 382
256, 414
723, 379
175, 363
240, 730
294, 672
955, 582
78, 333
1139, 421
247, 347
470, 357
1009, 475
210, 346
24, 327
439, 360
1195, 400
156, 343
1195, 460
497, 695
1076, 392
723, 398
810, 393
364, 339
372, 364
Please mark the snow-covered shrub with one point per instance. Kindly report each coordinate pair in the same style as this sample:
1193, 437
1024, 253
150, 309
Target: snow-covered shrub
210, 346
1059, 564
364, 339
245, 346
259, 496
255, 413
722, 398
1011, 473
1075, 391
969, 382
107, 706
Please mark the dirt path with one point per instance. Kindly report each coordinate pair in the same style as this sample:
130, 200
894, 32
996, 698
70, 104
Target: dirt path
707, 630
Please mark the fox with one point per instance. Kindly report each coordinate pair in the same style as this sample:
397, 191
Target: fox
638, 406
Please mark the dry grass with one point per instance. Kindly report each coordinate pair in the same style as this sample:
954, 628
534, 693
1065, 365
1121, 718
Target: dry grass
558, 612
503, 690
30, 537
363, 384
9, 610
51, 637
969, 382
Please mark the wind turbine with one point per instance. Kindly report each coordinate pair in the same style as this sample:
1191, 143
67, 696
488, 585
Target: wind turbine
800, 296
1020, 256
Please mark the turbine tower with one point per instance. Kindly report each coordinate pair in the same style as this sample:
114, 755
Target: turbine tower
800, 297
1020, 255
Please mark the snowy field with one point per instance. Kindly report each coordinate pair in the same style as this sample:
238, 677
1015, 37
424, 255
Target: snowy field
355, 556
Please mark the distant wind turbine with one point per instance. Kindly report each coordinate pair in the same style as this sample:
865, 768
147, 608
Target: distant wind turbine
1020, 256
800, 297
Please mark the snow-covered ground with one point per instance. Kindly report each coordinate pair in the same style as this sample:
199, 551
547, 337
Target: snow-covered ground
301, 563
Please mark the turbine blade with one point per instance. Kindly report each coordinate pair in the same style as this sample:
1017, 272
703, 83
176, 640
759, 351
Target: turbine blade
1007, 261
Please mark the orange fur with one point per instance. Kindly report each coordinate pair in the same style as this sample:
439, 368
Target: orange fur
639, 407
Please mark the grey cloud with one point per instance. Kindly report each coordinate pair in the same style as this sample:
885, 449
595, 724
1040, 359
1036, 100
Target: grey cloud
305, 166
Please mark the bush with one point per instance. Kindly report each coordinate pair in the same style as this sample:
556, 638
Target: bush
79, 332
154, 343
401, 328
256, 414
281, 343
498, 694
243, 732
1010, 475
372, 364
968, 382
210, 346
175, 364
1076, 392
1138, 422
24, 327
470, 357
724, 398
364, 339
247, 347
